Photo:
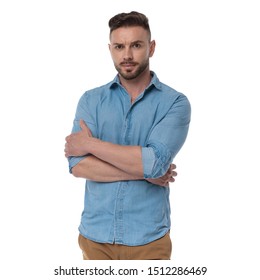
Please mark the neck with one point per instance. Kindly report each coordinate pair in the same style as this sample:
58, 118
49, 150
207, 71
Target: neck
138, 85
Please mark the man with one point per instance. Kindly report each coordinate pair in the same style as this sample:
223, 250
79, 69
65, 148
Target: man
125, 136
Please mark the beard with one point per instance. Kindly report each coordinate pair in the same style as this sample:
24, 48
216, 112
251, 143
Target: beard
130, 75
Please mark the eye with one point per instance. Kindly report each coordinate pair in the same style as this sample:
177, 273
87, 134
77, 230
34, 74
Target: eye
119, 47
137, 46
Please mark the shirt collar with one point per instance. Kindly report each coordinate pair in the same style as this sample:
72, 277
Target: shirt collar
154, 82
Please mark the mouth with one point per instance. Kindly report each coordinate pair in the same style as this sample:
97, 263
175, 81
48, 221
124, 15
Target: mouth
128, 65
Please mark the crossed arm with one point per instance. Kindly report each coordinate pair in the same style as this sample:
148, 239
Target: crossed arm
108, 162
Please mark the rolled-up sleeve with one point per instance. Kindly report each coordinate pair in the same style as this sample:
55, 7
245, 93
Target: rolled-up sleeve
83, 112
74, 161
166, 139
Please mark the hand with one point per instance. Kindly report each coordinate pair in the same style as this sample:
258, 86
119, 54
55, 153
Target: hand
167, 178
76, 143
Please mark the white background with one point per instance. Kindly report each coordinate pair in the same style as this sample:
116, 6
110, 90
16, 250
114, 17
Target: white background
53, 51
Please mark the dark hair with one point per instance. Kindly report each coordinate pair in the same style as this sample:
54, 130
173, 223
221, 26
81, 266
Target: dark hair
129, 19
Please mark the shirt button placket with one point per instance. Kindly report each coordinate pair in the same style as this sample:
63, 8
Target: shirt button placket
119, 231
120, 213
127, 128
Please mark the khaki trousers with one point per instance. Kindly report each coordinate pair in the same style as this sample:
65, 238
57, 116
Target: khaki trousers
157, 250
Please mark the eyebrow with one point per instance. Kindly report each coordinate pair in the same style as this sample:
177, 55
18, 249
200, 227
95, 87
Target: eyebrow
137, 42
132, 43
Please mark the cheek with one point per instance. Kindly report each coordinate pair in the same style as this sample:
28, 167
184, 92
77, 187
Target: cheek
139, 56
115, 57
146, 55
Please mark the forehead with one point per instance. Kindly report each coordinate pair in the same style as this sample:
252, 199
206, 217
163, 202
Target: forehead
129, 34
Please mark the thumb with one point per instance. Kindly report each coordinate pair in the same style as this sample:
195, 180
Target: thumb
85, 128
82, 124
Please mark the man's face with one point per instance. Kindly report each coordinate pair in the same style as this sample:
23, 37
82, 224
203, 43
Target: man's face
131, 49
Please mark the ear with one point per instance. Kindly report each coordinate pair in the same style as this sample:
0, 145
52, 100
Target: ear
152, 48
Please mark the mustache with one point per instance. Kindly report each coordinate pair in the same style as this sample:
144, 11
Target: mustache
128, 63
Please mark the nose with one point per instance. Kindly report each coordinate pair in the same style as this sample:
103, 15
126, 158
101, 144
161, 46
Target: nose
128, 55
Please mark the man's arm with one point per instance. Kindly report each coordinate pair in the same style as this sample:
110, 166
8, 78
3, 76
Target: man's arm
96, 169
126, 158
92, 168
151, 161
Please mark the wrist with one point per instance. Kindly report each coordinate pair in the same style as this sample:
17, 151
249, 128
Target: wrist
92, 145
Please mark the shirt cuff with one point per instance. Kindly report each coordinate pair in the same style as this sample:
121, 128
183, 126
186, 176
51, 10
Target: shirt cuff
74, 161
148, 160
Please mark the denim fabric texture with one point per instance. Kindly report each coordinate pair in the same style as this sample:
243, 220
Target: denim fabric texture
132, 212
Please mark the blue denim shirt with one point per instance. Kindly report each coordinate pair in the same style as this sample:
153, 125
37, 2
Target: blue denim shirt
132, 212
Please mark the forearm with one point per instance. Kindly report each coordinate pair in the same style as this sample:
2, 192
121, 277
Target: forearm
94, 169
108, 162
126, 158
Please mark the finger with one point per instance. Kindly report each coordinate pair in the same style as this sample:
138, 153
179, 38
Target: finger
173, 166
83, 125
85, 128
171, 180
65, 152
66, 149
164, 183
